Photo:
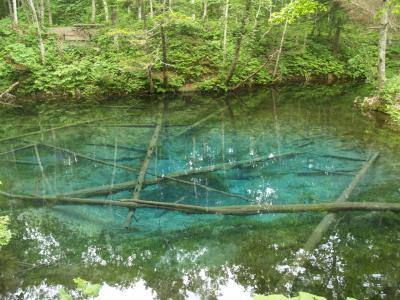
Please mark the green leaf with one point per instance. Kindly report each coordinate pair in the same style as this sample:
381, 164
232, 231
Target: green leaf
308, 296
63, 295
87, 288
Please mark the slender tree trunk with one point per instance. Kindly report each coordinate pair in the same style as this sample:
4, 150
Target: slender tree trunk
257, 15
225, 41
107, 17
114, 21
193, 10
38, 31
10, 9
382, 44
151, 8
15, 12
239, 39
147, 50
280, 50
164, 48
41, 12
139, 9
205, 10
93, 18
49, 11
336, 40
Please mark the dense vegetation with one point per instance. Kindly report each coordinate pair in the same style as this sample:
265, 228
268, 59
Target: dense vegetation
151, 46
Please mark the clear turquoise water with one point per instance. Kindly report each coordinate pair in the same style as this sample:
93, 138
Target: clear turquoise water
172, 255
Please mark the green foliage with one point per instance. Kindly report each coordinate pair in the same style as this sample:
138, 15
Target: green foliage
63, 295
5, 233
390, 92
296, 9
85, 289
110, 66
363, 64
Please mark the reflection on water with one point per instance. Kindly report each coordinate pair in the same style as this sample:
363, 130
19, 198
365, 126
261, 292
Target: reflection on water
311, 143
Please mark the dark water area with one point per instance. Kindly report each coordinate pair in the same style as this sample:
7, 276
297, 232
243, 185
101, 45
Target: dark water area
314, 143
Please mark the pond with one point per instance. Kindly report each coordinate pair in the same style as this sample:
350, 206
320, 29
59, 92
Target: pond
311, 141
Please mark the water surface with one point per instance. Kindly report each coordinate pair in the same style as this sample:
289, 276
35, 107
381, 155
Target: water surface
173, 255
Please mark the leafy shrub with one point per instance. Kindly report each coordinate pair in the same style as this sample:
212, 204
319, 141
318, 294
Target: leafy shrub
390, 92
363, 64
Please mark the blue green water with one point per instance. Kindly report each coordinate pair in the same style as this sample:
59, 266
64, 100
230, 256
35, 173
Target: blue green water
172, 255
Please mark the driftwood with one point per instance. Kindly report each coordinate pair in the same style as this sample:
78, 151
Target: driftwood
6, 94
146, 161
324, 225
234, 210
105, 189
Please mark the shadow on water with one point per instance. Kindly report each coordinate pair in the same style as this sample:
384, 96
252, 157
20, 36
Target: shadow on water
172, 255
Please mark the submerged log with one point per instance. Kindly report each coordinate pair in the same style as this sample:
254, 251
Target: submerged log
143, 170
54, 128
103, 190
343, 157
88, 157
234, 210
18, 149
19, 162
128, 185
130, 148
191, 127
324, 225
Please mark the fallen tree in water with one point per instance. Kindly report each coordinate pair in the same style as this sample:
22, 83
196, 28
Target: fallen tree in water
234, 210
105, 189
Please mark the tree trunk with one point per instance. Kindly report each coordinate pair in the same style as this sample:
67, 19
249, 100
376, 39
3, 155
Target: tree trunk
151, 8
114, 22
257, 15
147, 50
164, 48
15, 12
225, 41
280, 50
41, 12
49, 11
38, 31
239, 39
336, 41
238, 210
193, 10
205, 10
139, 9
382, 44
93, 18
143, 170
106, 10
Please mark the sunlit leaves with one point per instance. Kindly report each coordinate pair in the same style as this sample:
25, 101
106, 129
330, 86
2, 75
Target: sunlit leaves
295, 9
5, 233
